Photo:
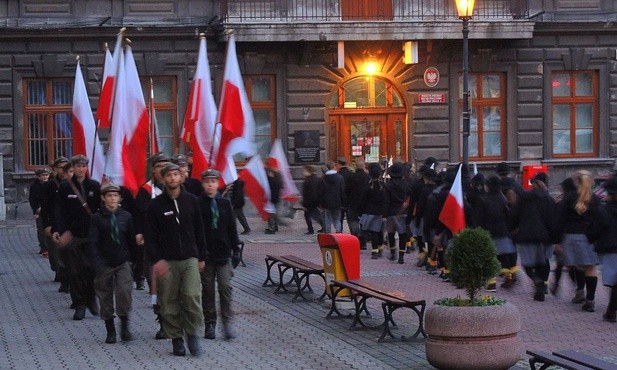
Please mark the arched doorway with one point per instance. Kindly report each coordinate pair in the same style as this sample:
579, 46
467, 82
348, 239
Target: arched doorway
367, 119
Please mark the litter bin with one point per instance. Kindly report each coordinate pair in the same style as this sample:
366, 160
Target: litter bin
341, 258
529, 172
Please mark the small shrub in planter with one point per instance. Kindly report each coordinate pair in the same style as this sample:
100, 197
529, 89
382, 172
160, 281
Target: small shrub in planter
472, 261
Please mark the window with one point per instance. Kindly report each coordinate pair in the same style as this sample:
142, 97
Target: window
488, 115
48, 120
165, 106
262, 96
575, 113
367, 92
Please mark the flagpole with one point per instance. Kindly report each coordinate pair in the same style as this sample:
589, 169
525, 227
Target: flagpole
212, 145
150, 125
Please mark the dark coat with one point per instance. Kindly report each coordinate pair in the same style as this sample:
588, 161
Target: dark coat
310, 192
221, 241
193, 186
398, 190
375, 199
570, 220
332, 190
168, 239
603, 230
103, 250
48, 205
70, 214
142, 200
275, 181
346, 173
355, 188
492, 214
533, 219
236, 194
36, 195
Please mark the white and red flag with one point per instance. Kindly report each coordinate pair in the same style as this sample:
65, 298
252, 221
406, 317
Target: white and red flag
452, 214
126, 156
256, 186
153, 129
85, 140
290, 191
200, 117
106, 99
235, 117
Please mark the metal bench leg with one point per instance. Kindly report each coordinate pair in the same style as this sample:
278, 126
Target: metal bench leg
336, 290
360, 305
386, 322
241, 243
281, 288
269, 263
301, 287
533, 361
325, 289
420, 314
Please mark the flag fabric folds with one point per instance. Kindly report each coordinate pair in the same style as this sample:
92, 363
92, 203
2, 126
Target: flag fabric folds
106, 99
256, 186
126, 156
85, 140
236, 118
452, 214
201, 112
153, 129
290, 191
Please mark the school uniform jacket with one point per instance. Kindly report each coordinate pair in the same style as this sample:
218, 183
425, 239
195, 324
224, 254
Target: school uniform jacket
104, 251
173, 235
221, 241
70, 214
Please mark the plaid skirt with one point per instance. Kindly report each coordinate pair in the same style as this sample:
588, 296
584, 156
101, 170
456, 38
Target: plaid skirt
609, 269
504, 245
396, 224
534, 254
371, 222
577, 251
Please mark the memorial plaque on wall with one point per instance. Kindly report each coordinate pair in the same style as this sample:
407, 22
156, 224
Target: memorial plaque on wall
306, 146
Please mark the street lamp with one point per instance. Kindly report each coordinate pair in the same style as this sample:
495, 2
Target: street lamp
465, 11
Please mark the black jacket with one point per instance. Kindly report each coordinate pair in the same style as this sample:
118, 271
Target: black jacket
533, 219
570, 220
48, 205
193, 186
355, 188
236, 194
375, 199
221, 241
275, 181
36, 195
171, 235
398, 190
332, 190
103, 250
140, 209
70, 214
310, 192
346, 174
603, 230
492, 214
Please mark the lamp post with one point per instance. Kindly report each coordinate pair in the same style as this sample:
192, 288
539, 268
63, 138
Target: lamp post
465, 11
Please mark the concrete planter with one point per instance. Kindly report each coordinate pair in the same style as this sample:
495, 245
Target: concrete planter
473, 337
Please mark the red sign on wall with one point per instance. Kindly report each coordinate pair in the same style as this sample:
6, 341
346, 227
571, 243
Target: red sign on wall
431, 98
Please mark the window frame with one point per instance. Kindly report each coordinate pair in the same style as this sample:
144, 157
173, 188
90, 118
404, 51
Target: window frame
269, 105
49, 110
171, 106
572, 101
478, 104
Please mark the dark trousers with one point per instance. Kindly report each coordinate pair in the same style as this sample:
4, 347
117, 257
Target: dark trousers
81, 274
40, 234
239, 212
311, 214
221, 275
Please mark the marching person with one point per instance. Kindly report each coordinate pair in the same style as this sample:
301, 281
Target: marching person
373, 208
235, 192
332, 198
221, 249
111, 237
355, 187
174, 235
35, 198
396, 212
78, 198
275, 182
310, 199
191, 184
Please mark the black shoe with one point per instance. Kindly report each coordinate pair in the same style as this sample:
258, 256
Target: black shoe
210, 332
64, 288
268, 231
140, 284
57, 278
80, 313
539, 294
401, 257
309, 233
321, 230
93, 307
178, 347
125, 333
246, 232
194, 345
160, 335
111, 331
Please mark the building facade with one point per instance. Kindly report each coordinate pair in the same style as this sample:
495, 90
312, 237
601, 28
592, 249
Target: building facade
353, 78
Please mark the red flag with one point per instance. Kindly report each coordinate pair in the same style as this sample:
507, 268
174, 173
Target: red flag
452, 214
126, 158
105, 108
256, 186
290, 191
84, 128
235, 116
200, 117
153, 129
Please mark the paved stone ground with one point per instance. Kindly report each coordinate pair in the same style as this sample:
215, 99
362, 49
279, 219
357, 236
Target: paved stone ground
37, 332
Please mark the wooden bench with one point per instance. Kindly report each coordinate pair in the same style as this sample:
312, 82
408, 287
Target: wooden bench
571, 360
301, 271
362, 290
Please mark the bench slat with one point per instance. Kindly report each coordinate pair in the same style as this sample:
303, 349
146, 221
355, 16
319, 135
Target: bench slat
587, 360
384, 290
301, 263
365, 291
550, 359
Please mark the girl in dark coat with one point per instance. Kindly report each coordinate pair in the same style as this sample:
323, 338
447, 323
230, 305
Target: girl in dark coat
603, 233
373, 210
310, 199
396, 212
576, 215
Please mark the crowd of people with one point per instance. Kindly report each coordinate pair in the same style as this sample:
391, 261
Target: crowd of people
178, 233
385, 204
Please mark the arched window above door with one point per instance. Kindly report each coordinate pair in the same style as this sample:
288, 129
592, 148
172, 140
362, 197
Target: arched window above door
367, 92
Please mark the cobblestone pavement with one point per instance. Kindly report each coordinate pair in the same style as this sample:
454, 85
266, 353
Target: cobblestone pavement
37, 330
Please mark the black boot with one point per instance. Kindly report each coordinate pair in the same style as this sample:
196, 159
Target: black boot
125, 333
401, 257
160, 334
210, 332
393, 253
178, 347
111, 331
